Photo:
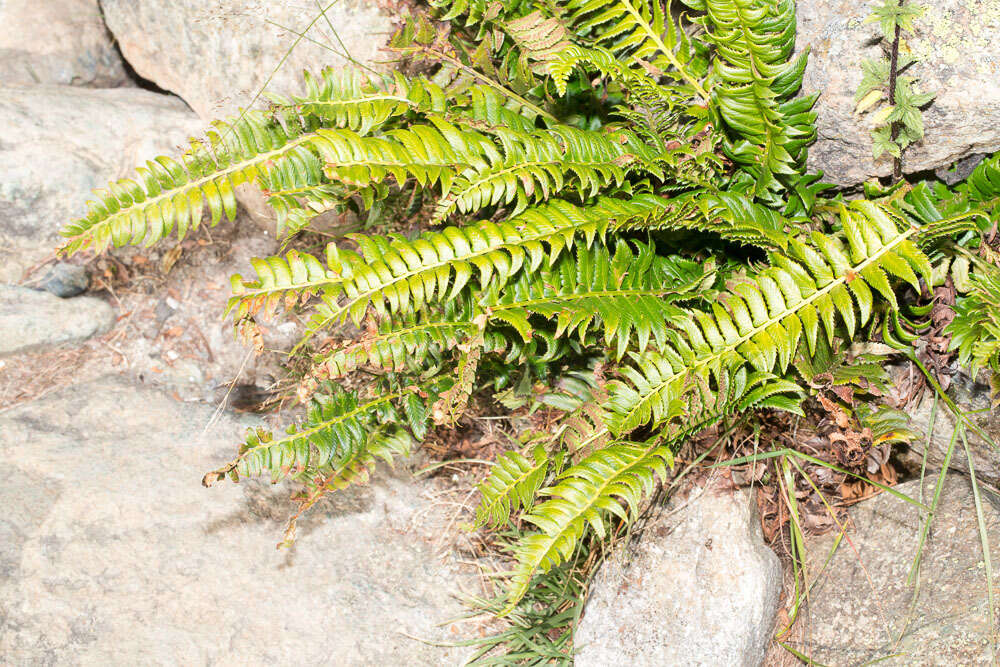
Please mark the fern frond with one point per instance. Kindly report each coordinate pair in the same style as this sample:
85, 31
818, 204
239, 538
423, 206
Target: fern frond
975, 331
752, 76
398, 276
613, 480
732, 217
355, 100
511, 485
636, 31
626, 294
170, 195
339, 433
400, 343
761, 320
537, 166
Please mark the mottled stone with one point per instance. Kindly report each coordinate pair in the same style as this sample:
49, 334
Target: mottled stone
701, 588
861, 604
955, 42
57, 143
30, 319
120, 555
217, 55
57, 41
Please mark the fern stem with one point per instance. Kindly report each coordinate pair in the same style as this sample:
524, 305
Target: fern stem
485, 80
656, 39
897, 162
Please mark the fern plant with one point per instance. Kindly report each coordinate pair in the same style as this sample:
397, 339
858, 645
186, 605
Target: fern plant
614, 191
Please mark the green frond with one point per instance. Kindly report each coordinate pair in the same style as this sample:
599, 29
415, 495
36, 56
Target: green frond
626, 295
761, 320
338, 437
170, 195
752, 77
511, 485
637, 32
297, 191
732, 217
394, 275
613, 480
400, 343
975, 331
983, 185
356, 100
537, 166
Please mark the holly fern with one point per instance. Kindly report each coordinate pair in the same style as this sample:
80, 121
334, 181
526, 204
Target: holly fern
616, 209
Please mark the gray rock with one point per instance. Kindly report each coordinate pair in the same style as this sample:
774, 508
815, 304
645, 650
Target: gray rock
65, 280
118, 555
57, 41
956, 44
57, 143
700, 589
851, 622
30, 319
217, 55
973, 397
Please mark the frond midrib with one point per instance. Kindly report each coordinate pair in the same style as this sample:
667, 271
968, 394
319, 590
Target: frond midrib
190, 185
729, 348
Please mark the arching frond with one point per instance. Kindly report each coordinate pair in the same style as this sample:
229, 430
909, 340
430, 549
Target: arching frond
338, 434
613, 480
393, 275
536, 166
752, 78
761, 320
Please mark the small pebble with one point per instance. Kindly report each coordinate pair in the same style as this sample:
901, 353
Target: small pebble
65, 280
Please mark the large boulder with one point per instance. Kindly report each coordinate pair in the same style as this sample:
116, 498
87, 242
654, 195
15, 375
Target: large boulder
955, 42
57, 41
57, 143
32, 319
111, 551
217, 55
701, 588
861, 608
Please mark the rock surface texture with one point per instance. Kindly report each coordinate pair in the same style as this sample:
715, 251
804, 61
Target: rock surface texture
111, 552
955, 43
217, 55
60, 142
30, 319
851, 622
57, 41
701, 588
974, 397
